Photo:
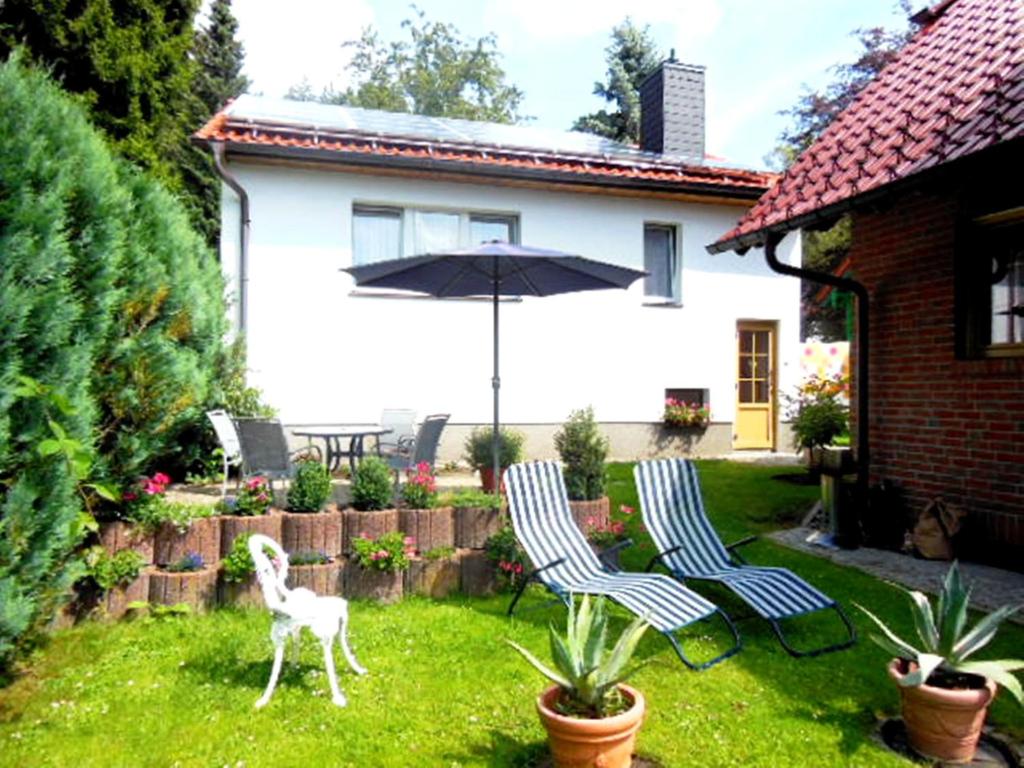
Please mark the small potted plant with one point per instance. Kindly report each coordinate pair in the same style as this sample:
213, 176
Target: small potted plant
248, 512
476, 516
591, 715
421, 515
681, 414
433, 573
309, 524
605, 537
818, 415
583, 450
503, 566
373, 512
122, 578
186, 580
944, 696
479, 449
317, 571
378, 564
238, 584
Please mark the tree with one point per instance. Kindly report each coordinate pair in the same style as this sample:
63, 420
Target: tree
811, 115
631, 56
436, 72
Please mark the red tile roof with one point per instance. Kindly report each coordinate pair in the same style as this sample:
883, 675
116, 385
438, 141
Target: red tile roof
263, 135
955, 89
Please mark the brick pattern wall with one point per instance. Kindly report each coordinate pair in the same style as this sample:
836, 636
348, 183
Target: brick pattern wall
939, 425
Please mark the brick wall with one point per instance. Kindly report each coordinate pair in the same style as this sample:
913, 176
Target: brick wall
939, 425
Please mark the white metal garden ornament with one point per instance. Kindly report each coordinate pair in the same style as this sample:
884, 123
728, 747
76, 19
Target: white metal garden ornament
294, 609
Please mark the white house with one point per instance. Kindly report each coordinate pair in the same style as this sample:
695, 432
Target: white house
312, 188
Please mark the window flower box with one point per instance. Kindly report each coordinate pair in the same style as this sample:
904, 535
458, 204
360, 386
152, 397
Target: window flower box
679, 413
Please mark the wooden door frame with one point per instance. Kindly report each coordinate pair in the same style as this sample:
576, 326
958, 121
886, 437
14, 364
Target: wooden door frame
772, 326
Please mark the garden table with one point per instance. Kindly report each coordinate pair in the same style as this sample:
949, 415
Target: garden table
333, 436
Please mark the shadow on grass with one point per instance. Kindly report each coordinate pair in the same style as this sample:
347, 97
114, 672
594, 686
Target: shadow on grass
215, 667
504, 750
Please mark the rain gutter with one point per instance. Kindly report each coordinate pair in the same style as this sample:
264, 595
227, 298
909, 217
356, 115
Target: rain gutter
243, 248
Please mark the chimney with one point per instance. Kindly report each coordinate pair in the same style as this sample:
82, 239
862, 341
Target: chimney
672, 110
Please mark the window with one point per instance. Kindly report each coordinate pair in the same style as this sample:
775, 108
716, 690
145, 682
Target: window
1007, 296
990, 287
384, 232
376, 234
661, 260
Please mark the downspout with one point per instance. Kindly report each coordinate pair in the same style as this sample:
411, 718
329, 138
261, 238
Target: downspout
243, 254
857, 289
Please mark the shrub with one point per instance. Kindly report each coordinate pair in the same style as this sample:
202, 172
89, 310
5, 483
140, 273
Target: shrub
254, 498
420, 489
443, 552
818, 413
583, 450
508, 557
479, 449
238, 565
471, 498
117, 570
371, 486
389, 552
310, 488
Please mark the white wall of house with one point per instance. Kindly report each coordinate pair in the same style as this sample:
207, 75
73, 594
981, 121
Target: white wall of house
323, 355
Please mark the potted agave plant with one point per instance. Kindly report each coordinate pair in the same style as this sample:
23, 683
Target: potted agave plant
591, 715
944, 696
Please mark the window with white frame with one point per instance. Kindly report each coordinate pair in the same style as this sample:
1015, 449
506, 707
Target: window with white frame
662, 263
385, 232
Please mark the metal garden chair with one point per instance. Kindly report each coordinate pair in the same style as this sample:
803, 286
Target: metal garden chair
673, 511
566, 564
423, 448
230, 446
265, 449
402, 423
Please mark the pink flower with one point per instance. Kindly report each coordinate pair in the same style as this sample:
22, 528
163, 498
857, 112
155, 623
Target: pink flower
518, 568
618, 528
161, 479
409, 541
152, 489
591, 521
254, 482
626, 510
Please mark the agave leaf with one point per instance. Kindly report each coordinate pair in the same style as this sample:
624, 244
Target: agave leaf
623, 650
541, 667
594, 647
579, 630
926, 664
982, 633
924, 621
952, 610
561, 654
894, 644
1000, 671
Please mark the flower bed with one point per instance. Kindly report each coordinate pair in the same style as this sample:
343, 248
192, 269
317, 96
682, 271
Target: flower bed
370, 524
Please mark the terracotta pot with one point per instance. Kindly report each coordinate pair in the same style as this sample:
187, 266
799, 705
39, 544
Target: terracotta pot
233, 526
487, 479
476, 573
322, 578
242, 593
202, 537
196, 589
598, 510
116, 600
942, 724
432, 578
312, 532
369, 584
371, 524
581, 743
118, 535
474, 525
431, 528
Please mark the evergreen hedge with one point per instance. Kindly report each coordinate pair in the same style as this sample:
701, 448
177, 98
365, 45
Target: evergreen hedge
108, 298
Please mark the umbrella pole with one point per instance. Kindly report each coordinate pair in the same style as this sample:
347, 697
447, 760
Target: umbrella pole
496, 386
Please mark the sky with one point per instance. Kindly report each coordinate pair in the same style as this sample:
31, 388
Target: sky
759, 54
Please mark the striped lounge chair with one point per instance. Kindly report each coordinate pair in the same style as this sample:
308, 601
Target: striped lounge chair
565, 563
673, 511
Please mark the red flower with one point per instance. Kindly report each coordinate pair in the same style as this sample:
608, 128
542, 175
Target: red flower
129, 496
161, 479
626, 510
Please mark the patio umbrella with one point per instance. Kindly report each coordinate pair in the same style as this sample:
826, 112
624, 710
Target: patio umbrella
494, 269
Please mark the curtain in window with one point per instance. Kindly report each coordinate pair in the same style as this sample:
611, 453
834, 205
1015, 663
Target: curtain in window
661, 263
376, 236
434, 231
1008, 304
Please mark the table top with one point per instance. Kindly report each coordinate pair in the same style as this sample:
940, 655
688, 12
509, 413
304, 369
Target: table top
342, 430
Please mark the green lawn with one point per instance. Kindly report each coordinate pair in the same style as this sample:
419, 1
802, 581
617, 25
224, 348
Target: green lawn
444, 689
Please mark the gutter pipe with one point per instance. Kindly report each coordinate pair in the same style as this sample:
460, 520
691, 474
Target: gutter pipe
861, 292
243, 255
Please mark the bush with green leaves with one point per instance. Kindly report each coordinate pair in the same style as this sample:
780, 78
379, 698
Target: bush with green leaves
117, 570
818, 413
946, 643
310, 488
420, 488
238, 565
583, 450
588, 675
372, 485
509, 558
479, 447
470, 498
389, 552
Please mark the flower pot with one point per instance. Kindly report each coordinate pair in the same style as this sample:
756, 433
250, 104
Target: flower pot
595, 513
580, 742
943, 724
196, 589
370, 525
487, 479
116, 599
242, 593
322, 578
474, 525
233, 526
431, 528
370, 584
432, 578
476, 573
312, 532
118, 535
202, 537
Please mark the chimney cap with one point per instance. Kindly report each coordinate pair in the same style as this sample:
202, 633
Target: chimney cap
672, 63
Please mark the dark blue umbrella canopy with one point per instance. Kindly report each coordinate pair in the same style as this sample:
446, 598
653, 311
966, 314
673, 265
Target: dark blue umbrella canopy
494, 269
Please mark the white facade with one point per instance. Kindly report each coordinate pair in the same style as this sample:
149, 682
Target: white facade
323, 353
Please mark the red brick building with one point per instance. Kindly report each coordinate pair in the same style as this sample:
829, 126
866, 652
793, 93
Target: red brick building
928, 163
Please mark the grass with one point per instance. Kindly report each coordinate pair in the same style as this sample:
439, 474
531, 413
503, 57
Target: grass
444, 689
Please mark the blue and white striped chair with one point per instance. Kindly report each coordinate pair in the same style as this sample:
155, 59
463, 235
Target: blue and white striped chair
673, 511
565, 563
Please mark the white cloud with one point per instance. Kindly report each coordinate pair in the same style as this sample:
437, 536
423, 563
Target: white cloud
286, 41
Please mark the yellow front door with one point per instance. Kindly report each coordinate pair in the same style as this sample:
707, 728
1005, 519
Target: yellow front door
755, 386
